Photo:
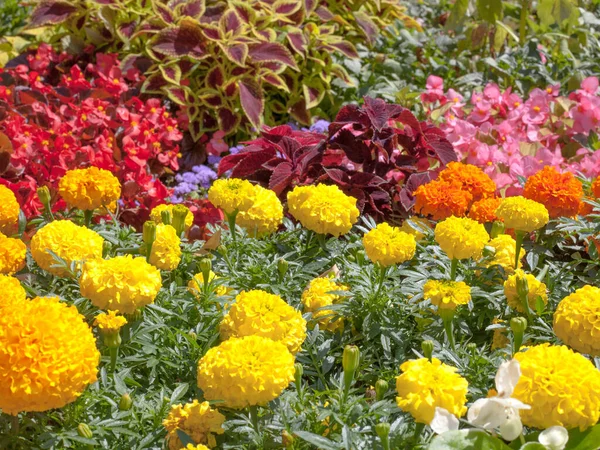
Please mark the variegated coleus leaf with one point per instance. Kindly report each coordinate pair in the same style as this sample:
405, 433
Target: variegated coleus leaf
53, 12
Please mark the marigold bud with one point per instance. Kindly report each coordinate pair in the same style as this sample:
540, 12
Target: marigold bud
149, 233
350, 358
222, 250
205, 268
282, 267
383, 431
165, 217
287, 439
84, 431
43, 194
125, 403
180, 213
518, 324
381, 388
427, 347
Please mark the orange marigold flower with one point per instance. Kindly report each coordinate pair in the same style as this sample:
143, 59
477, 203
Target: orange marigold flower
585, 208
560, 193
471, 178
441, 199
484, 210
596, 188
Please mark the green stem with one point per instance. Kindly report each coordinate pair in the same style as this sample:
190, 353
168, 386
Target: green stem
448, 328
14, 424
523, 21
148, 251
254, 416
519, 235
322, 242
385, 442
231, 222
87, 217
522, 439
453, 268
114, 353
382, 274
418, 431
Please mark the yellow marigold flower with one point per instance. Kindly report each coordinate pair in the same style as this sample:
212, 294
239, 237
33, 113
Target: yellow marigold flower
195, 447
522, 214
155, 214
264, 216
461, 237
166, 250
89, 188
13, 253
323, 209
504, 256
318, 296
416, 227
48, 355
446, 294
198, 420
9, 211
12, 291
388, 245
196, 284
576, 320
232, 194
596, 188
109, 323
247, 371
484, 210
471, 178
424, 386
500, 338
560, 193
70, 242
536, 289
561, 386
258, 313
122, 284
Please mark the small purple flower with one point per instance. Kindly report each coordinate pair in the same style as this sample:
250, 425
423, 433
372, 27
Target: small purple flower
213, 160
191, 178
236, 149
205, 175
184, 188
320, 126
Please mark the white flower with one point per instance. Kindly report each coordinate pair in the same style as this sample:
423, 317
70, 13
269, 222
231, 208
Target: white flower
554, 438
501, 412
443, 421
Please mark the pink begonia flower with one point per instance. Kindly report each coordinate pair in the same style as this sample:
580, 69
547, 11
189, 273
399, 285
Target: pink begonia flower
586, 115
536, 108
511, 100
435, 90
481, 112
553, 90
540, 47
547, 157
590, 85
502, 179
457, 102
462, 134
492, 92
217, 146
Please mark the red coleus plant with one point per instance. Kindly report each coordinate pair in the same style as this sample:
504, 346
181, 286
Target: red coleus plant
379, 153
58, 114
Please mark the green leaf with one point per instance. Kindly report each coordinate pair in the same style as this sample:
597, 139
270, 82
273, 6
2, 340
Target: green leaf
584, 440
179, 392
458, 15
561, 12
467, 440
320, 442
489, 10
184, 438
533, 446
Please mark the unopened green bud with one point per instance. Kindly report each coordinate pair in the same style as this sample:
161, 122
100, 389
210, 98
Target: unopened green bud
497, 229
282, 267
222, 250
522, 287
43, 194
287, 439
149, 233
193, 335
84, 431
112, 340
205, 267
381, 388
350, 358
518, 324
180, 213
165, 217
125, 403
471, 346
427, 347
383, 431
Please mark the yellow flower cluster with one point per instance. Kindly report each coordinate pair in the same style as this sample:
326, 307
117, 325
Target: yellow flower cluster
247, 371
522, 214
258, 313
577, 320
232, 195
9, 211
195, 447
446, 294
109, 323
12, 291
388, 245
323, 209
561, 386
198, 420
424, 386
417, 228
536, 289
13, 253
156, 214
504, 255
264, 216
196, 284
48, 355
166, 250
70, 242
89, 188
317, 297
461, 237
500, 338
122, 284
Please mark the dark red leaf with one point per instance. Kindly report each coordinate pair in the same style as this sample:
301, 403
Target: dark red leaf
355, 149
368, 27
338, 176
230, 161
345, 47
281, 177
193, 8
228, 120
183, 40
272, 51
324, 14
443, 149
215, 77
251, 97
237, 53
250, 164
377, 111
298, 41
51, 12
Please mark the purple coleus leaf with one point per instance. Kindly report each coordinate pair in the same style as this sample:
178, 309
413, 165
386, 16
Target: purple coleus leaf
186, 39
51, 12
253, 103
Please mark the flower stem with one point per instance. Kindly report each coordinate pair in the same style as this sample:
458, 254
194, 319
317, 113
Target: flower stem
14, 425
523, 21
231, 222
382, 274
519, 235
114, 353
418, 430
322, 242
254, 416
87, 217
447, 318
453, 269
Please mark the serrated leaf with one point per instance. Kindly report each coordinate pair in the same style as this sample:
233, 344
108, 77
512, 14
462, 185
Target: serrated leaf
51, 12
171, 73
252, 100
320, 442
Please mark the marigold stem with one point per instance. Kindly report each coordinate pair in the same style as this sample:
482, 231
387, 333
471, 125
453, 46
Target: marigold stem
519, 235
453, 268
231, 222
87, 217
114, 353
254, 416
14, 424
447, 319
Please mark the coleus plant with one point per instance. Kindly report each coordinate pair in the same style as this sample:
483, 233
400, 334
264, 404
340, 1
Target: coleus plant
379, 153
230, 65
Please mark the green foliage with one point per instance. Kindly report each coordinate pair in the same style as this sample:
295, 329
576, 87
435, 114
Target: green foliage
12, 17
231, 66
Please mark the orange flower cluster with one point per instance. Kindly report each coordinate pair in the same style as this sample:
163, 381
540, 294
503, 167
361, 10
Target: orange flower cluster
453, 193
596, 188
560, 193
484, 210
